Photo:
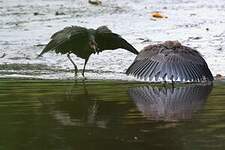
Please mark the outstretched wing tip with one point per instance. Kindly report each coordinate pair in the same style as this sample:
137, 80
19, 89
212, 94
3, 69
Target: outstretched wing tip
149, 70
112, 41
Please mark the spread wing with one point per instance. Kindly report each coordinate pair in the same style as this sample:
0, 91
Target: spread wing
107, 40
158, 61
69, 39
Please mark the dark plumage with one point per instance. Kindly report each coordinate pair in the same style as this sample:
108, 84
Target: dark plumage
83, 42
170, 60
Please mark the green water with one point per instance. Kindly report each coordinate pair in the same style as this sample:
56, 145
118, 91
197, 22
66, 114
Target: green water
112, 115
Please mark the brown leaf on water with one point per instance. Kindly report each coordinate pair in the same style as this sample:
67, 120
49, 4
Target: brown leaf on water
158, 15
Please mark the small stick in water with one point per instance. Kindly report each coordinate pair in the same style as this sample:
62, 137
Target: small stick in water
3, 55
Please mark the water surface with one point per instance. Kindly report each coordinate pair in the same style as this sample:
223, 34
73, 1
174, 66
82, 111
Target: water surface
48, 114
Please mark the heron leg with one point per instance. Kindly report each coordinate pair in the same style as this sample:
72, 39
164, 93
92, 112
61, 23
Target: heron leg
75, 66
86, 60
172, 84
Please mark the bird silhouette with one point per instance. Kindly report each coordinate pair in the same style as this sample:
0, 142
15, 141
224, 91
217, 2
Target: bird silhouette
170, 61
83, 42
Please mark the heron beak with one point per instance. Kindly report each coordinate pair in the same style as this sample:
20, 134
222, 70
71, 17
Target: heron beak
93, 46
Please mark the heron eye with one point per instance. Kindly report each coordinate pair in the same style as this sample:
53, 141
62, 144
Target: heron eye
92, 43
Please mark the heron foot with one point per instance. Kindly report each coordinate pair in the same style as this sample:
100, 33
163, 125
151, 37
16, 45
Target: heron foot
84, 78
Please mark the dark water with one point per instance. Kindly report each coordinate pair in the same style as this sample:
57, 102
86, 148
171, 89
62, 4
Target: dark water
110, 115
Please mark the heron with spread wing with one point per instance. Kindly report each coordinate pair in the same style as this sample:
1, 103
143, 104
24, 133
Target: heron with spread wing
83, 42
170, 61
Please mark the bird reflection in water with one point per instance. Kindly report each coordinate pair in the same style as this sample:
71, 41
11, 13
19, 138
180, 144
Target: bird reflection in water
75, 107
170, 104
88, 104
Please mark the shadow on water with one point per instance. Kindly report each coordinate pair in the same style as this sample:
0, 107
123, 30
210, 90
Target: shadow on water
170, 104
48, 114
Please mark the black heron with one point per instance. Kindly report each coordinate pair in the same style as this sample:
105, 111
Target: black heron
170, 61
83, 42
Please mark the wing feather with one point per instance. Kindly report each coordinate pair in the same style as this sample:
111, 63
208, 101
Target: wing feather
139, 66
141, 71
69, 39
149, 70
110, 41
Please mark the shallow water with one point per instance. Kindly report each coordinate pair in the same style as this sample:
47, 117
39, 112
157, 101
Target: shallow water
48, 114
26, 27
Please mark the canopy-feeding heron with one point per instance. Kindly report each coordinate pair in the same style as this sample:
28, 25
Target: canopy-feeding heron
83, 42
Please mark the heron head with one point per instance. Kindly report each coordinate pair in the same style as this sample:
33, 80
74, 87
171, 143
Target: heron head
92, 43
